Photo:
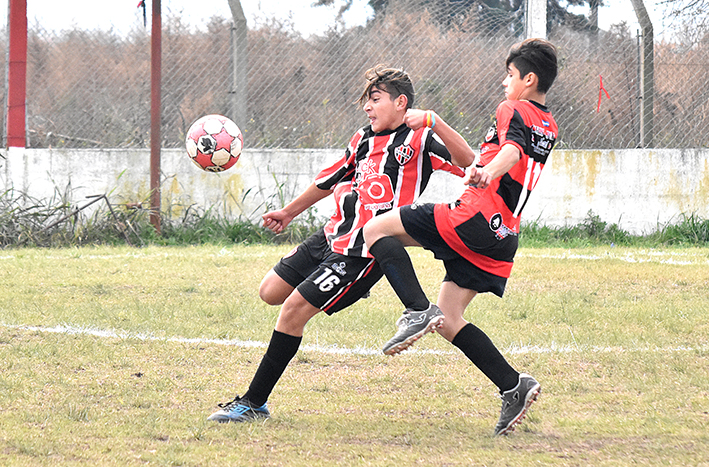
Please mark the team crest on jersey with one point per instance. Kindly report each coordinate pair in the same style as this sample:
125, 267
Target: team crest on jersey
403, 154
496, 222
500, 229
491, 133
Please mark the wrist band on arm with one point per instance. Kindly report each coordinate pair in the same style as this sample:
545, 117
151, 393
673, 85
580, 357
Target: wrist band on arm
430, 119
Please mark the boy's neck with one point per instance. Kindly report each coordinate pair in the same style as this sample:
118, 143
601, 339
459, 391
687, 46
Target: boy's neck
394, 126
538, 97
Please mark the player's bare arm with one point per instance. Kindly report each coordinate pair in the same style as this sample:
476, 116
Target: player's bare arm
279, 219
462, 154
508, 156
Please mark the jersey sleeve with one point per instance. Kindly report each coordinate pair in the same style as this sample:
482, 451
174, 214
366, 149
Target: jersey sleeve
511, 128
440, 156
343, 169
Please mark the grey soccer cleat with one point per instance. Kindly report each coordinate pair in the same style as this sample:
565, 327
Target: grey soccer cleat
515, 403
412, 325
239, 410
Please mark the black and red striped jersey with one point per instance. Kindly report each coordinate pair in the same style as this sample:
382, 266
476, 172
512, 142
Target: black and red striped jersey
378, 172
483, 224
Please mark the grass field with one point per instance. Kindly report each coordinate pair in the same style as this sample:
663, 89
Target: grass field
116, 356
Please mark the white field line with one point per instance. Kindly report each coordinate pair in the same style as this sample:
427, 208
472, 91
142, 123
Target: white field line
659, 257
677, 258
336, 350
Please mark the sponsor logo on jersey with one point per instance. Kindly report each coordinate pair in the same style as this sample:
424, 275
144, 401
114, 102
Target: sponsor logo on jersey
339, 268
500, 229
542, 143
365, 167
376, 192
403, 154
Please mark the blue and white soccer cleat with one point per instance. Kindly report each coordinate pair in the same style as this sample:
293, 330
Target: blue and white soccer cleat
239, 410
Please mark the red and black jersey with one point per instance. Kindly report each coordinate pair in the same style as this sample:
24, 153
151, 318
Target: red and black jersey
378, 172
483, 225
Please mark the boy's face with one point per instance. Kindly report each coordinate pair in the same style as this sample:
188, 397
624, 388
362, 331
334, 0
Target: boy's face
384, 112
516, 86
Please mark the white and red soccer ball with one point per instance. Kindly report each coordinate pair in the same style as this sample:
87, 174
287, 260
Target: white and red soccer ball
214, 143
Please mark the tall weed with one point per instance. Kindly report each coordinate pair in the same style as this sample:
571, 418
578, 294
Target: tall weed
57, 222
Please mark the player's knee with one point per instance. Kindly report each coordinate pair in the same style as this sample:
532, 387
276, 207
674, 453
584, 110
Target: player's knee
295, 313
269, 299
267, 295
296, 305
371, 233
274, 290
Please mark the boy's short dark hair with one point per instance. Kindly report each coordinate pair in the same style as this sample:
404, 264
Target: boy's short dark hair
392, 80
536, 56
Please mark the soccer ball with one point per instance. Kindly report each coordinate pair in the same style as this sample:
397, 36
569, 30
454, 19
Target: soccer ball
214, 143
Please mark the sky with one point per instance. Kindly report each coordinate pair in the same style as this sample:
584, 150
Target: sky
124, 14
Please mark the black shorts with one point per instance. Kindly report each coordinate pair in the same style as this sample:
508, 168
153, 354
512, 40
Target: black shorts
328, 281
420, 223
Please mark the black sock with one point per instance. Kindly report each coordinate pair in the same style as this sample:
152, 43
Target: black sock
280, 352
482, 352
396, 264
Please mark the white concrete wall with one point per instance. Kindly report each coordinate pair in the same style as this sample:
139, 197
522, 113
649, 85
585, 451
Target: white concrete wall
637, 189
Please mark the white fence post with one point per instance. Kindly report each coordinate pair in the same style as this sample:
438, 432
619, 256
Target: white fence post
240, 65
535, 19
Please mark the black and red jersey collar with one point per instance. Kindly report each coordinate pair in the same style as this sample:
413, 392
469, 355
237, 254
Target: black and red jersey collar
387, 132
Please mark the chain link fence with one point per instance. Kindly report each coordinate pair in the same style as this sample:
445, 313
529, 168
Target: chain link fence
91, 88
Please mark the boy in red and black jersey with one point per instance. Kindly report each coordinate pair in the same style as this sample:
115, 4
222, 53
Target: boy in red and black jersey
386, 165
476, 237
484, 223
379, 171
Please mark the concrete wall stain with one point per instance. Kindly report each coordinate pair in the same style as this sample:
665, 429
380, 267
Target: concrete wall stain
592, 163
233, 194
701, 194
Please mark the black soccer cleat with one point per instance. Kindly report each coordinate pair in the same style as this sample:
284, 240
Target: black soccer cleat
516, 402
412, 326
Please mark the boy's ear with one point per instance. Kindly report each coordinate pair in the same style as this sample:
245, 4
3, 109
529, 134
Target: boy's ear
401, 102
531, 80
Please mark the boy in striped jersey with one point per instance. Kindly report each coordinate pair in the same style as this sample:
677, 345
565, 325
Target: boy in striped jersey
476, 237
385, 165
